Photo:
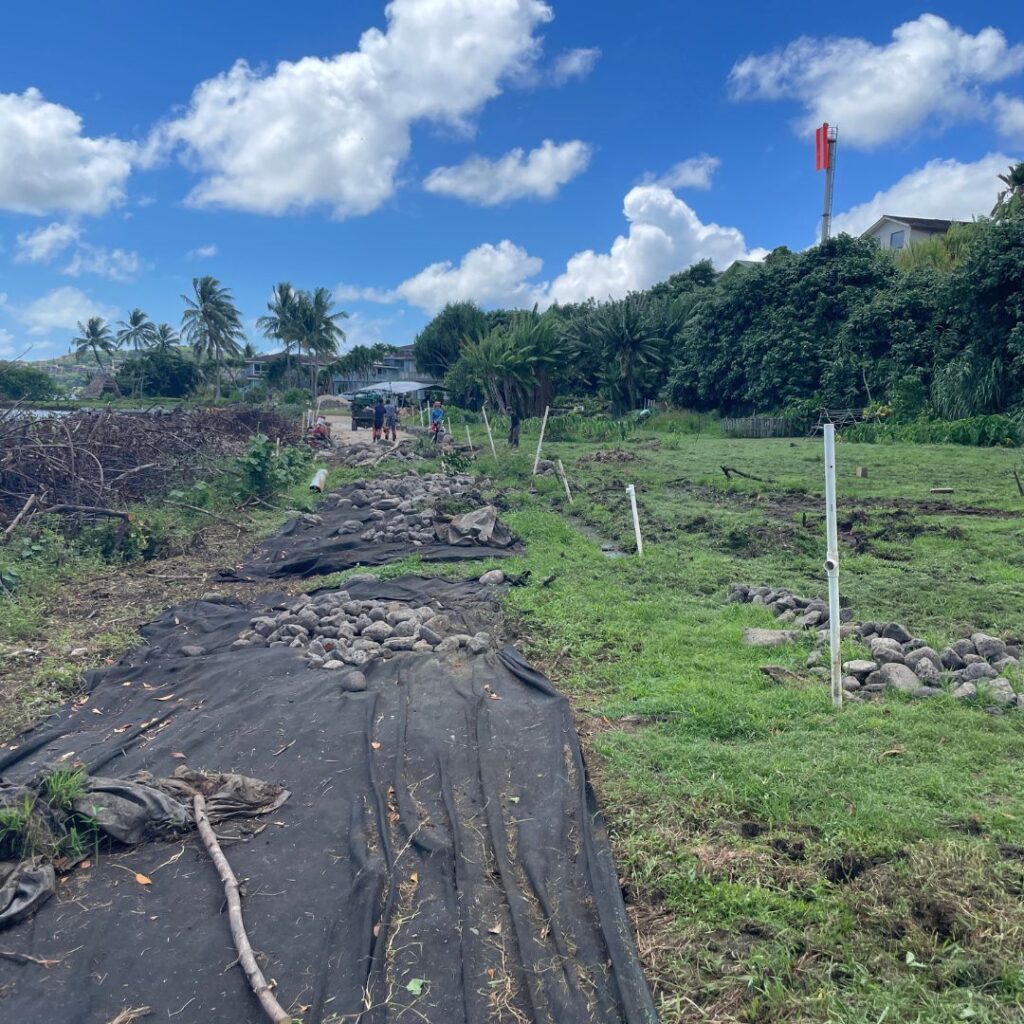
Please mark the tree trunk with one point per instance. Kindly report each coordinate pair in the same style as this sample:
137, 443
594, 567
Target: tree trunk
217, 397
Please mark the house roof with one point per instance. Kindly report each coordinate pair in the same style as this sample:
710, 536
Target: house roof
936, 225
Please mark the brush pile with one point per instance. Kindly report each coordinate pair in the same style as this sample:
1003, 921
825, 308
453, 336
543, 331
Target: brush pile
96, 463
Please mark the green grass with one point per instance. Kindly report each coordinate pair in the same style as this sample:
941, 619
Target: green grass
788, 863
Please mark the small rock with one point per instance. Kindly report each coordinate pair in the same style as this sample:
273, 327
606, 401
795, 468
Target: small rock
493, 577
315, 661
1004, 663
787, 617
923, 653
378, 632
476, 645
238, 644
815, 657
851, 684
894, 631
886, 650
193, 651
78, 652
431, 638
860, 667
808, 619
899, 677
988, 646
400, 643
966, 691
926, 670
974, 659
979, 670
449, 643
928, 691
999, 691
913, 645
757, 637
353, 682
951, 660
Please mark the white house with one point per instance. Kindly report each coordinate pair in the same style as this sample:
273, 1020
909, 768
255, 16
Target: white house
898, 232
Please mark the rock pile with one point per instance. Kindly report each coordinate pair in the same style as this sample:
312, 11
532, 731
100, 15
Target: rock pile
366, 453
969, 668
338, 632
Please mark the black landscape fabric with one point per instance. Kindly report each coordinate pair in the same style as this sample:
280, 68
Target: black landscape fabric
316, 545
441, 857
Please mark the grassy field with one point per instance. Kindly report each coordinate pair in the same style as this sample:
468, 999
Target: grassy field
786, 863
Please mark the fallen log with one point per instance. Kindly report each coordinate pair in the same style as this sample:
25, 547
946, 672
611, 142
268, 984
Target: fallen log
731, 471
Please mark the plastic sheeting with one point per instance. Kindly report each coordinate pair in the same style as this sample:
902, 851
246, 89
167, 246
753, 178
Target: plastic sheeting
442, 857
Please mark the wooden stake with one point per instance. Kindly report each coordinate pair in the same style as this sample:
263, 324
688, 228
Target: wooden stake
469, 439
246, 957
490, 436
565, 481
540, 440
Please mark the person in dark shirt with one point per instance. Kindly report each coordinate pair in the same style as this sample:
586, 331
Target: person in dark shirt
378, 419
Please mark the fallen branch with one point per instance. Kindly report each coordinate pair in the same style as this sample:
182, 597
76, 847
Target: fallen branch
127, 1016
246, 957
205, 512
25, 958
731, 471
24, 511
93, 510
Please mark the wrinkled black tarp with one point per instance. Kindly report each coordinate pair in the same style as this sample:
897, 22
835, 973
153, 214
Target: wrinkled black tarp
306, 548
441, 839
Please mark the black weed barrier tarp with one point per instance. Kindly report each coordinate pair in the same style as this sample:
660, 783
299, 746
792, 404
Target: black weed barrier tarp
307, 548
441, 858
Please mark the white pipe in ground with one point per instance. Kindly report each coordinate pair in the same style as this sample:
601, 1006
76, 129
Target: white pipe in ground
490, 436
631, 491
540, 440
832, 564
565, 480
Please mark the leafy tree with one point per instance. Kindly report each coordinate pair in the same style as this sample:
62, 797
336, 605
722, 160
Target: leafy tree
211, 324
165, 373
438, 345
137, 332
19, 383
1010, 201
94, 336
165, 338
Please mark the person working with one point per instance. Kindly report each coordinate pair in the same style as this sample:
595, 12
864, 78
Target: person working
436, 421
378, 419
391, 420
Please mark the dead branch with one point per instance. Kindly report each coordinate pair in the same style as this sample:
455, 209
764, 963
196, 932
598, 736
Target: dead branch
205, 512
21, 515
93, 510
731, 471
246, 957
127, 1016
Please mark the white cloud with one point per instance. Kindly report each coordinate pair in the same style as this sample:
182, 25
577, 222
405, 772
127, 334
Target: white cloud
946, 189
541, 172
116, 264
202, 252
1009, 111
493, 275
696, 172
576, 63
6, 344
61, 309
665, 236
43, 244
47, 164
334, 131
930, 71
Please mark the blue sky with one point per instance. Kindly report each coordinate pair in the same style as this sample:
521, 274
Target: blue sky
513, 152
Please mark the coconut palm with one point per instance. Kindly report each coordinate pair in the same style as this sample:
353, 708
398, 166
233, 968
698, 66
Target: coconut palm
318, 333
281, 321
94, 336
1011, 199
137, 332
211, 324
165, 337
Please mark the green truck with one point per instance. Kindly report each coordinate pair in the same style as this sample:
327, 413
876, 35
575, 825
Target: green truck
362, 408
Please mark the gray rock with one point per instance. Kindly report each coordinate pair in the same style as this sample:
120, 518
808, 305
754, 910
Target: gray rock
449, 643
429, 636
851, 684
308, 619
860, 667
378, 632
886, 650
787, 617
974, 659
913, 645
894, 631
377, 614
1013, 651
917, 655
965, 691
964, 647
999, 691
926, 670
928, 691
979, 670
264, 625
422, 645
400, 643
757, 637
1006, 662
193, 651
899, 677
239, 644
478, 644
353, 682
815, 657
315, 661
362, 622
808, 619
493, 577
317, 648
951, 660
334, 664
407, 627
988, 646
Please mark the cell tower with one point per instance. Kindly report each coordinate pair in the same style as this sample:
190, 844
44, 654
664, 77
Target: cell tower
825, 139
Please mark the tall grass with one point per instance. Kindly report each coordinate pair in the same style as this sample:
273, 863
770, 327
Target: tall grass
995, 431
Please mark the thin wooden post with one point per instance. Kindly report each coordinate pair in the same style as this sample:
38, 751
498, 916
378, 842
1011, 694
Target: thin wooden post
565, 481
540, 440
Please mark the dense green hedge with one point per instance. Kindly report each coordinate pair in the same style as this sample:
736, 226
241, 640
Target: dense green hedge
996, 431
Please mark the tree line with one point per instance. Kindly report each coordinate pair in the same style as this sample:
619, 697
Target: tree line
936, 329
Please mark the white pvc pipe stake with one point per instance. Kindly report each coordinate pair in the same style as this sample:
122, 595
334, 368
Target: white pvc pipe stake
832, 564
631, 491
422, 423
565, 480
487, 424
540, 440
469, 439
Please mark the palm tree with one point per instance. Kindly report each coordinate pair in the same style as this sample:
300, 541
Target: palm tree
211, 324
281, 321
95, 337
137, 332
545, 347
165, 337
1011, 199
318, 332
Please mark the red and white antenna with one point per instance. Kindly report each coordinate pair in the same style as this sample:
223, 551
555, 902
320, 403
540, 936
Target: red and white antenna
825, 139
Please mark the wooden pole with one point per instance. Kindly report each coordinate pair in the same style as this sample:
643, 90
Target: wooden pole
246, 957
490, 436
565, 481
540, 440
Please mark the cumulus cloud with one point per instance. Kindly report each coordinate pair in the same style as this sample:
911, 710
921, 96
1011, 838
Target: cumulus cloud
541, 173
946, 189
333, 132
61, 309
665, 236
576, 63
115, 264
202, 252
47, 164
44, 244
696, 172
6, 344
1009, 111
931, 71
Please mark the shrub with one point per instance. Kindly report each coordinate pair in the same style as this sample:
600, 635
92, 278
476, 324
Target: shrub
995, 431
19, 382
266, 472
